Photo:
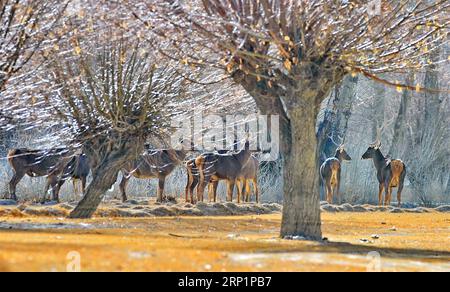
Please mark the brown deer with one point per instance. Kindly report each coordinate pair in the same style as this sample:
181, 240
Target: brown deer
38, 163
78, 168
214, 167
390, 173
193, 177
156, 164
330, 173
249, 174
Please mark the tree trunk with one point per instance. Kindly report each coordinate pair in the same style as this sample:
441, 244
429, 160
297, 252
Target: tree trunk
301, 207
103, 179
107, 156
297, 103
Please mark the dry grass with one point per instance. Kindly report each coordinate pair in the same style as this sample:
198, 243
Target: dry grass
419, 242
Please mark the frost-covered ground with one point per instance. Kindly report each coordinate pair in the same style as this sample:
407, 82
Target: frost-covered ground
143, 208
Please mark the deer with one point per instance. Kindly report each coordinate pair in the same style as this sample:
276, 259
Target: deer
391, 173
78, 168
193, 178
214, 167
249, 174
38, 163
156, 164
330, 173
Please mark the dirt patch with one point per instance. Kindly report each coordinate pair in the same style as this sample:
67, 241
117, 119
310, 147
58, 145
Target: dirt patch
404, 242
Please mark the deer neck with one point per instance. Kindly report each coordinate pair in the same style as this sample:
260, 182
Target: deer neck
244, 155
338, 156
379, 160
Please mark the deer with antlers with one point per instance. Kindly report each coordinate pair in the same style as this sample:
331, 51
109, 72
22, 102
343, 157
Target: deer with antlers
330, 173
391, 173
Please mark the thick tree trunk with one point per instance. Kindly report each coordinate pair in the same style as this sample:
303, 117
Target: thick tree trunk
301, 208
297, 103
103, 179
107, 157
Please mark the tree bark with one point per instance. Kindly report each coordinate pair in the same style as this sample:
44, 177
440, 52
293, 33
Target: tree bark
107, 156
103, 179
301, 207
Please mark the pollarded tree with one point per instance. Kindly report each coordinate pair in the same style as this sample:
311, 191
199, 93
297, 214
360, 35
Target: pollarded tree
111, 100
289, 54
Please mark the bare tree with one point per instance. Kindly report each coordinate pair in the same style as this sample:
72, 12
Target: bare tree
112, 100
289, 54
24, 29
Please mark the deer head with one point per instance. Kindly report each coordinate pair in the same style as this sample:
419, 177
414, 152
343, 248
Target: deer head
374, 147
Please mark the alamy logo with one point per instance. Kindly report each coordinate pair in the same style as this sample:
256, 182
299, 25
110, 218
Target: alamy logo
374, 8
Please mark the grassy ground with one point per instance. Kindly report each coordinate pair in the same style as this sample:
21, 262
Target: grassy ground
407, 242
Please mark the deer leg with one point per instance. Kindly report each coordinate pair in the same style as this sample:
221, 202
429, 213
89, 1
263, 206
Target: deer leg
188, 186
337, 188
83, 185
400, 189
387, 194
230, 189
58, 186
191, 189
160, 195
214, 186
210, 194
17, 177
55, 189
123, 186
256, 188
329, 193
240, 194
399, 195
51, 184
380, 195
203, 181
248, 191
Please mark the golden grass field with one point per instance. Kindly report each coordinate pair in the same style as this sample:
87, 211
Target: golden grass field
407, 242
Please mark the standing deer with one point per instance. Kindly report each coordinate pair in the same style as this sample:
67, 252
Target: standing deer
78, 168
214, 167
158, 164
390, 173
38, 163
330, 173
193, 178
249, 174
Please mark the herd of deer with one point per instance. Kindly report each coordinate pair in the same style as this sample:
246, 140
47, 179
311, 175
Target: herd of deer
58, 165
236, 168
